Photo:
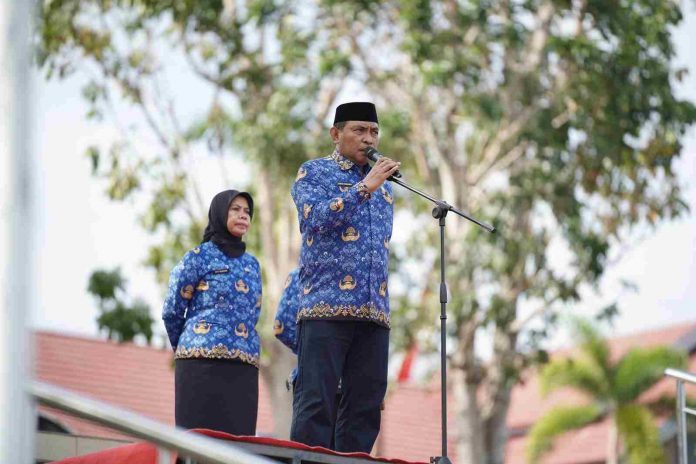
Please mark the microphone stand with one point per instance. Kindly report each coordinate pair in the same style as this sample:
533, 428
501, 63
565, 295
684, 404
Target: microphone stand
440, 212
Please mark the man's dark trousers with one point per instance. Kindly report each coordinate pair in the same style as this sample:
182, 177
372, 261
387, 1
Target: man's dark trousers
357, 352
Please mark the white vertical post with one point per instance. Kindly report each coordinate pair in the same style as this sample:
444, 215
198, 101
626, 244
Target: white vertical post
163, 456
681, 424
17, 420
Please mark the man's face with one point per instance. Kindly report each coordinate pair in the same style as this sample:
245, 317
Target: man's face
355, 137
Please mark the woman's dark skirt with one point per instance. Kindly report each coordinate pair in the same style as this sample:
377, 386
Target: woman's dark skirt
216, 394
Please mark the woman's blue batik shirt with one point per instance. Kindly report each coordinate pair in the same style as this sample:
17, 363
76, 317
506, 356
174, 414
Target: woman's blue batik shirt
213, 305
345, 242
285, 323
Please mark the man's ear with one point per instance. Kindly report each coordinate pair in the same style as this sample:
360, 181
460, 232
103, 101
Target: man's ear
334, 134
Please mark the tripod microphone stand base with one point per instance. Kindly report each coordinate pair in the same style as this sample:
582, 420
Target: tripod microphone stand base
440, 460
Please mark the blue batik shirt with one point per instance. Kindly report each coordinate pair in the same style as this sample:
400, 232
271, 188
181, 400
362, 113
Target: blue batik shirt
345, 242
213, 305
285, 324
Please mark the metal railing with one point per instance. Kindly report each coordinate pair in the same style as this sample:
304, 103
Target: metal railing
200, 448
682, 410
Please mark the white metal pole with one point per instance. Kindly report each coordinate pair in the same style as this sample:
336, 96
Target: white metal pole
17, 420
681, 424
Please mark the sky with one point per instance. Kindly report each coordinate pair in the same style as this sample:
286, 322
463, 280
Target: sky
79, 230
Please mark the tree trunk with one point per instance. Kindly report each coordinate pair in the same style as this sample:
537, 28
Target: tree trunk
467, 419
495, 429
613, 441
498, 390
466, 380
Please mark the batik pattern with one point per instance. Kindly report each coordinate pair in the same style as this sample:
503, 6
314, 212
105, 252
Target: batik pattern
213, 305
345, 242
285, 322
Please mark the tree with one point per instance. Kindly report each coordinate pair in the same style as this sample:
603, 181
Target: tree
613, 388
121, 318
554, 119
262, 103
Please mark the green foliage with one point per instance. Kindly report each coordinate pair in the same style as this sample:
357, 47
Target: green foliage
641, 435
122, 319
580, 374
124, 323
164, 200
641, 368
557, 421
593, 347
613, 388
104, 284
264, 106
163, 256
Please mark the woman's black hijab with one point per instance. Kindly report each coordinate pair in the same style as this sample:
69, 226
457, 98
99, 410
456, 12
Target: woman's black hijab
217, 232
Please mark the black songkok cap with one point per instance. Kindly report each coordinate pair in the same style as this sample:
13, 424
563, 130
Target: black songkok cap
356, 111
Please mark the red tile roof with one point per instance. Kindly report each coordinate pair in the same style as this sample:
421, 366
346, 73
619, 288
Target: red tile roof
141, 379
527, 405
411, 424
411, 427
585, 446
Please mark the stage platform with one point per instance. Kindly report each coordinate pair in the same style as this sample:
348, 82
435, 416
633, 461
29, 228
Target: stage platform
284, 451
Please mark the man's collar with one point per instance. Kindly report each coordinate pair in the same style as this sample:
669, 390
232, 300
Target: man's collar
343, 162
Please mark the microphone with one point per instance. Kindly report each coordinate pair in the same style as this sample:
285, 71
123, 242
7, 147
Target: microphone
374, 155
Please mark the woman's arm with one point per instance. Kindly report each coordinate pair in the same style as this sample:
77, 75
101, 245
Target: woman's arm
182, 286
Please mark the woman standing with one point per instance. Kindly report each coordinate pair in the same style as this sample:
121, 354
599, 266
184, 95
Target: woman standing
210, 314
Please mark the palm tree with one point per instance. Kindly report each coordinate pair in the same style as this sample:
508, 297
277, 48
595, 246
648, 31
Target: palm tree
613, 388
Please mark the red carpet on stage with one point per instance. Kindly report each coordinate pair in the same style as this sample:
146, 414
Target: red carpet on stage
136, 453
295, 445
145, 453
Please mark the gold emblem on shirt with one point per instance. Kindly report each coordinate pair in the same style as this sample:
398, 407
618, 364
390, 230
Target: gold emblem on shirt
202, 286
278, 327
201, 328
347, 283
344, 163
389, 199
307, 289
241, 286
350, 235
310, 240
241, 330
187, 292
307, 209
336, 205
383, 288
300, 174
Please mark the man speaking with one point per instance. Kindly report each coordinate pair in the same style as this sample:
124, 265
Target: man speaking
346, 213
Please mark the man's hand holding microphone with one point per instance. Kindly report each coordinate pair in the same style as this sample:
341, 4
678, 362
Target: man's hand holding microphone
383, 169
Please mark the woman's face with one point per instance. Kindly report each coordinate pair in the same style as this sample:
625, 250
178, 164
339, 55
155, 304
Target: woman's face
238, 217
